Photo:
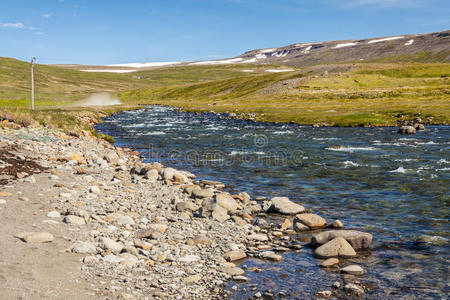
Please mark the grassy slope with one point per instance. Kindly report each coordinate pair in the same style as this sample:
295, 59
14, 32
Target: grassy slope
371, 94
368, 94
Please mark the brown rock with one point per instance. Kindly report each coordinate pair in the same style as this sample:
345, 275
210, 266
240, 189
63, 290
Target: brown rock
313, 221
35, 237
234, 255
286, 224
330, 262
192, 278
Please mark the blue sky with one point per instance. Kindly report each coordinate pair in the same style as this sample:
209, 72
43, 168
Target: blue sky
113, 31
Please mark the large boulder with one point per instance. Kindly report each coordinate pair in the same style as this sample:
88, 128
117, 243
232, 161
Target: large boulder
226, 201
313, 221
285, 206
334, 248
358, 240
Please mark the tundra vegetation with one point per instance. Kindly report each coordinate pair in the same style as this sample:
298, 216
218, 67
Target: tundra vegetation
375, 93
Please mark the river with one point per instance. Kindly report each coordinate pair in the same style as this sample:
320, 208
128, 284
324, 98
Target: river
393, 186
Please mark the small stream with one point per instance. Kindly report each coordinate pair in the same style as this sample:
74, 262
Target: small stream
393, 186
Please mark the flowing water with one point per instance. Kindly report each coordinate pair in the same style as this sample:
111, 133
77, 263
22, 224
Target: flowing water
393, 186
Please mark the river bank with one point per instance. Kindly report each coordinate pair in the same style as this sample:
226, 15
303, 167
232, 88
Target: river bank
125, 229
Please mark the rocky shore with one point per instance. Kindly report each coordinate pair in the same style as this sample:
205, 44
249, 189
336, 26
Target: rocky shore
83, 218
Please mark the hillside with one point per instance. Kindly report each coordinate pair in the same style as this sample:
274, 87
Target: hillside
432, 47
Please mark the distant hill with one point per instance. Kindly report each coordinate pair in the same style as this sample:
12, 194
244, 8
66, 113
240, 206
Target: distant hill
431, 47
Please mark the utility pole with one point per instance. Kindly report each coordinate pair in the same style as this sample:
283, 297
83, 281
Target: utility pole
32, 82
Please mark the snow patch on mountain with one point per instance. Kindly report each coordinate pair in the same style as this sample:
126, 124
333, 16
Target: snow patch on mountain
386, 39
345, 45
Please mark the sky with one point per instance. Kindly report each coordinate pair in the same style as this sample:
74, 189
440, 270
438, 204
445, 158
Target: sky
99, 32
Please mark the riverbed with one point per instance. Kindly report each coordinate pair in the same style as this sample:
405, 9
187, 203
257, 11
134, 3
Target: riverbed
393, 186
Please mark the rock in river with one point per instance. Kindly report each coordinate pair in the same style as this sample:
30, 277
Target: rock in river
285, 206
358, 239
336, 247
313, 221
353, 270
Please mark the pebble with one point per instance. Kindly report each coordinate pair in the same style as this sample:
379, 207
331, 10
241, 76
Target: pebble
354, 289
83, 248
269, 255
54, 214
353, 270
74, 220
2, 201
330, 262
35, 237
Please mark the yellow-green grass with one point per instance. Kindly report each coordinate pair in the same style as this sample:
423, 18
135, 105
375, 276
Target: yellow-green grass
370, 94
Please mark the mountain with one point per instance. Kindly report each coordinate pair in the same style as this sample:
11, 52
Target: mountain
431, 47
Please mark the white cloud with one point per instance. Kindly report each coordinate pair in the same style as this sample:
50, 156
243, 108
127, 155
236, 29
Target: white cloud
47, 15
18, 25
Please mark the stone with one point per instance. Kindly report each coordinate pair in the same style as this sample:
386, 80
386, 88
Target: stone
148, 233
179, 178
285, 206
286, 224
125, 220
162, 228
152, 175
324, 294
226, 201
83, 248
186, 206
354, 289
202, 240
5, 194
112, 157
337, 224
74, 220
36, 237
94, 189
168, 173
261, 237
114, 259
300, 227
74, 156
192, 278
336, 247
128, 260
108, 244
241, 278
336, 285
233, 271
313, 221
189, 258
234, 255
358, 240
202, 193
54, 214
239, 221
330, 262
143, 245
407, 130
214, 211
269, 255
2, 201
353, 270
